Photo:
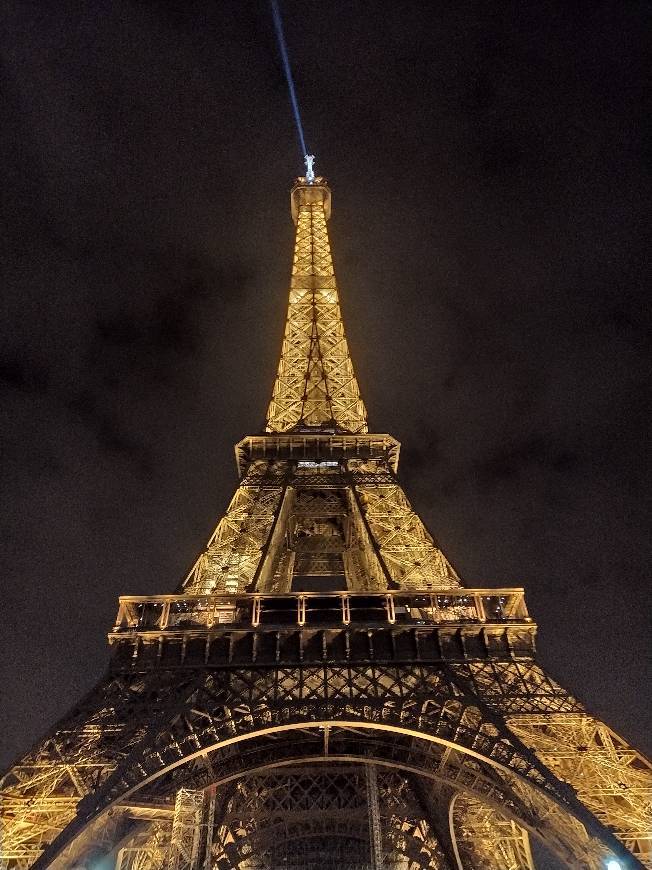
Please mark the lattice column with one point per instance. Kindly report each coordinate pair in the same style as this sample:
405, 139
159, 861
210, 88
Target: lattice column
233, 554
485, 838
186, 830
40, 793
367, 569
316, 384
406, 548
611, 779
148, 855
209, 809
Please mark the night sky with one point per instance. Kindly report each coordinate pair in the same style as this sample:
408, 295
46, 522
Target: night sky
489, 212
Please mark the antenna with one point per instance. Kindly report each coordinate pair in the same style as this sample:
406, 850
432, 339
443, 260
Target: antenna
309, 159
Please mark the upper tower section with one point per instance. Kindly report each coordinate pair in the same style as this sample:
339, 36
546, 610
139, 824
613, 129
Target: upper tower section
315, 389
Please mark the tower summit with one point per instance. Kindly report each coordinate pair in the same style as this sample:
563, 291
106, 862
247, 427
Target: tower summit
309, 159
315, 387
322, 692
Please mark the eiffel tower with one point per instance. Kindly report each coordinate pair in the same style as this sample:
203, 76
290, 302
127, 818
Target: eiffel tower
322, 691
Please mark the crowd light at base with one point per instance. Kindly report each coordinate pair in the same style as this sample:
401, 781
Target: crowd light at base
614, 865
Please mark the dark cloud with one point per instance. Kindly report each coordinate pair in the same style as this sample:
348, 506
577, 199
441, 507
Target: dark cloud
87, 409
19, 373
509, 461
149, 335
35, 459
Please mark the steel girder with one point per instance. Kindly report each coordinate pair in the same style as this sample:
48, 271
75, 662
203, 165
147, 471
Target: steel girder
232, 558
611, 779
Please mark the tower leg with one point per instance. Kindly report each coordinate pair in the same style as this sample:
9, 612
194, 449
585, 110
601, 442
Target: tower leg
186, 830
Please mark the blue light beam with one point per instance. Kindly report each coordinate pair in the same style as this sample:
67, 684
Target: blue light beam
278, 27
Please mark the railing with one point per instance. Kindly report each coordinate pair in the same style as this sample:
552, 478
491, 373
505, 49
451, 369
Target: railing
316, 447
169, 613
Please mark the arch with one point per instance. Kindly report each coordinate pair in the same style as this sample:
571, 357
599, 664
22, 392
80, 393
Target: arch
279, 809
521, 807
431, 849
413, 701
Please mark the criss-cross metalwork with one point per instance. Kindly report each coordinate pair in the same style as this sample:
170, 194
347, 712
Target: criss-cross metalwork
322, 691
315, 385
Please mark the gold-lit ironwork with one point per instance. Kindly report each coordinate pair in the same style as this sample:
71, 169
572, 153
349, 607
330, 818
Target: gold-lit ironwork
322, 691
315, 385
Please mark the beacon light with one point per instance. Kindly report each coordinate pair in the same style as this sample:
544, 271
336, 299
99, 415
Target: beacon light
309, 159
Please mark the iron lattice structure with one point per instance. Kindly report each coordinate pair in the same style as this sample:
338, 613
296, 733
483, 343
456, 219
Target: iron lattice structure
322, 691
315, 385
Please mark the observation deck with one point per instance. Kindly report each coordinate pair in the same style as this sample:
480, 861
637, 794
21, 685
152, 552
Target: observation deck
208, 630
317, 447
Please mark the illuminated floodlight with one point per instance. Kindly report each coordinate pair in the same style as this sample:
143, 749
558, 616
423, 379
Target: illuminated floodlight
612, 864
309, 159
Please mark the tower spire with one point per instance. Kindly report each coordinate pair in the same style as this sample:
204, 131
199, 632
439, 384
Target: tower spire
316, 388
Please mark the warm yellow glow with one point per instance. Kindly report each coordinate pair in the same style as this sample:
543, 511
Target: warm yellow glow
315, 385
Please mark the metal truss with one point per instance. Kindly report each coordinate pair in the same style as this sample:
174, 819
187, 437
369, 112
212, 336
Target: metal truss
233, 554
186, 830
484, 838
316, 816
426, 702
144, 726
407, 838
409, 557
147, 849
287, 520
373, 812
515, 687
611, 779
388, 718
280, 818
315, 385
39, 794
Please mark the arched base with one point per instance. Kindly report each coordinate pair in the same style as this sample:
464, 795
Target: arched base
443, 771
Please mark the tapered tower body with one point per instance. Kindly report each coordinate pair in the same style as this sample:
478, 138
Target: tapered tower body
322, 691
